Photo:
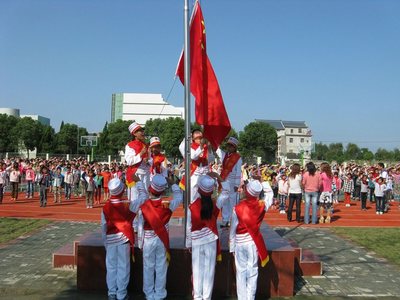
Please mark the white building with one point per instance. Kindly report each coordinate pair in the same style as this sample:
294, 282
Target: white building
15, 112
294, 139
40, 119
142, 107
10, 111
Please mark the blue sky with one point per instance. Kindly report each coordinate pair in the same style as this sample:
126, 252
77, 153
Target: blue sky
334, 64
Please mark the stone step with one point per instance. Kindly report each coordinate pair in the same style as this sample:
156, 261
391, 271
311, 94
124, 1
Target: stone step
306, 262
67, 255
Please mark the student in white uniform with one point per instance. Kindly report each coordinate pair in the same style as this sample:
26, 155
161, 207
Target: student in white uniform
153, 236
202, 234
246, 241
118, 235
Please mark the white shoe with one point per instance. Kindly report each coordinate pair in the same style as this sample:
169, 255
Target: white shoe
381, 212
377, 212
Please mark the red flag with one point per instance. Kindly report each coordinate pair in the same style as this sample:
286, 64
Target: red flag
210, 109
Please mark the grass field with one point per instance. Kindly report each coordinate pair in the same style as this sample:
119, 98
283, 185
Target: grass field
385, 242
11, 228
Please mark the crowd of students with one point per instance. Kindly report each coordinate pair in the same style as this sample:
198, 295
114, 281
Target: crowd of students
65, 179
323, 186
68, 179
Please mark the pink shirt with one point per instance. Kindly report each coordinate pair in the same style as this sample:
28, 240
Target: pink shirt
311, 183
326, 183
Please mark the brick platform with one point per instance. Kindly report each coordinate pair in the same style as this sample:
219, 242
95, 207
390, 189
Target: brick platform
276, 279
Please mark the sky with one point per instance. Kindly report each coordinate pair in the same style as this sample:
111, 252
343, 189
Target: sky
333, 64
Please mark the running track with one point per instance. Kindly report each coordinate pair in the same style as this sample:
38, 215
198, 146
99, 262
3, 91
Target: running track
75, 210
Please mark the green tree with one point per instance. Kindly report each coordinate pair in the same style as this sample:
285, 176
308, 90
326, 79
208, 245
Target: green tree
28, 132
47, 139
258, 139
115, 136
383, 154
335, 153
8, 141
171, 132
67, 138
320, 151
396, 154
366, 154
352, 152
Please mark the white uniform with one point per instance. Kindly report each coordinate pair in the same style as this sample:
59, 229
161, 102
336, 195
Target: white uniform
246, 255
118, 250
204, 251
155, 263
200, 170
233, 178
143, 172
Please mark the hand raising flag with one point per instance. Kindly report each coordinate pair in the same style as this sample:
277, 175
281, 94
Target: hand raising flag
209, 109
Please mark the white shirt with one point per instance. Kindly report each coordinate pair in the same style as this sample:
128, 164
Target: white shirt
235, 175
295, 184
194, 155
119, 238
205, 235
173, 205
245, 238
132, 158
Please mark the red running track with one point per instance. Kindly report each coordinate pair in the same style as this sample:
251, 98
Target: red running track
75, 210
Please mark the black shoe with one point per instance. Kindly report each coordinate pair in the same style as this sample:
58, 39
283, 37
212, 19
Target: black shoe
224, 225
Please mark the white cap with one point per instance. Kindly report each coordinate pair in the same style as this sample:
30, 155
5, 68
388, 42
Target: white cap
115, 186
233, 141
254, 188
134, 127
158, 183
206, 185
154, 141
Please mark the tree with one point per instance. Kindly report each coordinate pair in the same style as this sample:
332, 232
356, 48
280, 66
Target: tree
115, 137
383, 154
320, 151
366, 154
27, 131
396, 154
352, 152
67, 138
47, 139
171, 131
8, 142
258, 139
335, 152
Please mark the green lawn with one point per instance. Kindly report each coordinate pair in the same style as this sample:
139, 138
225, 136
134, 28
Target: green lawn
11, 228
385, 242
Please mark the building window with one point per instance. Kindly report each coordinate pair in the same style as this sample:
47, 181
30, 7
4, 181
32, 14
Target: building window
301, 140
299, 130
291, 140
291, 130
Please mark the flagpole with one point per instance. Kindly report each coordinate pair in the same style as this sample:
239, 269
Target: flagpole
187, 109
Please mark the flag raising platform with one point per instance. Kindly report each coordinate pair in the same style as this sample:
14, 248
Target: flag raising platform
275, 279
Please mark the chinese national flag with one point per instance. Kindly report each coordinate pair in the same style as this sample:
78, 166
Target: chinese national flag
210, 109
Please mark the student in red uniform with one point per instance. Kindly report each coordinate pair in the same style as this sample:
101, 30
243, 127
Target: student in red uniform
158, 161
202, 233
246, 240
118, 235
137, 157
201, 156
153, 236
231, 172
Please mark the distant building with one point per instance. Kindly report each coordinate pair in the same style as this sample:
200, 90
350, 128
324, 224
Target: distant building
294, 139
142, 107
10, 112
42, 120
15, 112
